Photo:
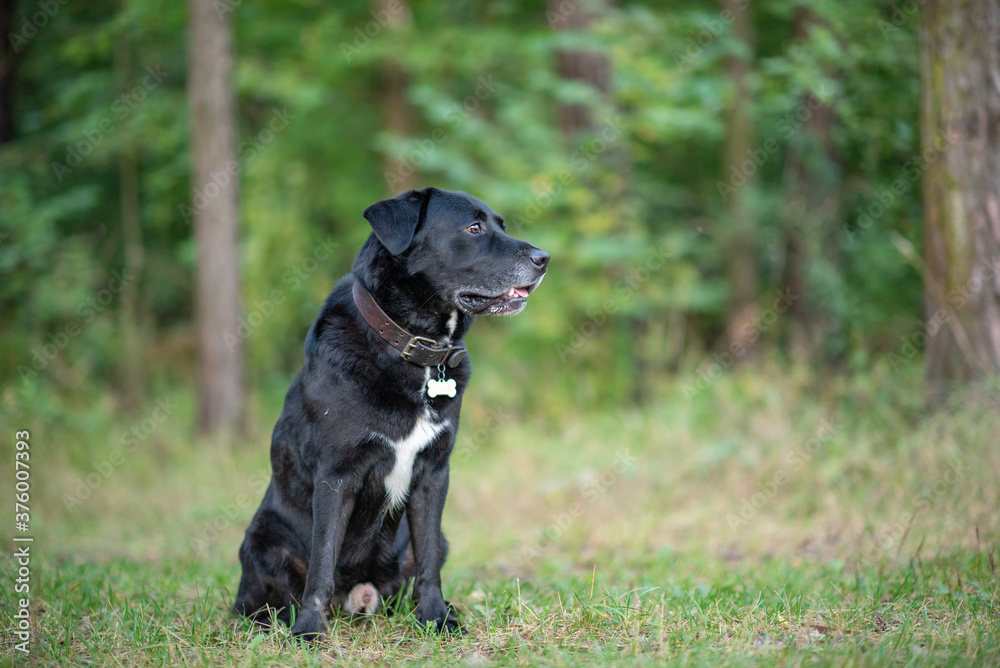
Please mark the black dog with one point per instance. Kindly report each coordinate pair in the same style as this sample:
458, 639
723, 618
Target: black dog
360, 452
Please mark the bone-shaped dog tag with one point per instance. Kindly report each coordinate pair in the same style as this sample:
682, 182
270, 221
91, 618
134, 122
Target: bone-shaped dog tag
445, 388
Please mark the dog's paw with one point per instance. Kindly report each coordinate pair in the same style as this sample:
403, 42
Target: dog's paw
452, 626
443, 616
310, 625
363, 600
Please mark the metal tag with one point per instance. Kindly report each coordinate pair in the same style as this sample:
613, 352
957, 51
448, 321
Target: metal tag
437, 388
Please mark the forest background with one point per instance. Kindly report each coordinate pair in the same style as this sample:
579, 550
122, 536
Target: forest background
775, 246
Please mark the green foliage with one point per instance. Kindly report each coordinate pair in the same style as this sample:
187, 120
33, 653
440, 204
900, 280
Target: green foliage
641, 189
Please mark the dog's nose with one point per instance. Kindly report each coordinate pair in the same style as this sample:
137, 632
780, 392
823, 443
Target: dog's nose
540, 258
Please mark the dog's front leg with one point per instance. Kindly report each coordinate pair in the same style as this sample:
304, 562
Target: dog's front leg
423, 512
332, 508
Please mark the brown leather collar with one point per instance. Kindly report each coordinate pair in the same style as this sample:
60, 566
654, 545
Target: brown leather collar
418, 350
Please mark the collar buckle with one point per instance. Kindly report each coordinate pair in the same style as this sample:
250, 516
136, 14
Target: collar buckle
417, 341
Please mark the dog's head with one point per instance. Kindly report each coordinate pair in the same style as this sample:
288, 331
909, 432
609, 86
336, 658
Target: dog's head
460, 246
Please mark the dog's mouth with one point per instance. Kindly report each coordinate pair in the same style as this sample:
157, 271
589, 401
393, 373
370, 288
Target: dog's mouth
508, 303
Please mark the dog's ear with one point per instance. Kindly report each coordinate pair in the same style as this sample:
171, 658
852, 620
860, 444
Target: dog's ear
395, 220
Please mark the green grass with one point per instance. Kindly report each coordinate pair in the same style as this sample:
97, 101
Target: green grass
943, 610
868, 535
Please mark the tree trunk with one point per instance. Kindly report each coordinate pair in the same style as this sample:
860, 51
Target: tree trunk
397, 119
213, 147
8, 68
961, 155
740, 248
593, 67
131, 365
590, 67
811, 203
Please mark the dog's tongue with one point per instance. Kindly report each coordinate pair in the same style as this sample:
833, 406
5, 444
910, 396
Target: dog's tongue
520, 292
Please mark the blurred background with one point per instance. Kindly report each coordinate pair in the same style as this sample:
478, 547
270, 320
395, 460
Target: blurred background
773, 228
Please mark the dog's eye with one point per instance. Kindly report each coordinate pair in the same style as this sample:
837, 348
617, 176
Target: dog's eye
474, 228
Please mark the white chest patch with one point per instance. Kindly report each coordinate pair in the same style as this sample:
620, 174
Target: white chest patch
397, 483
452, 321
